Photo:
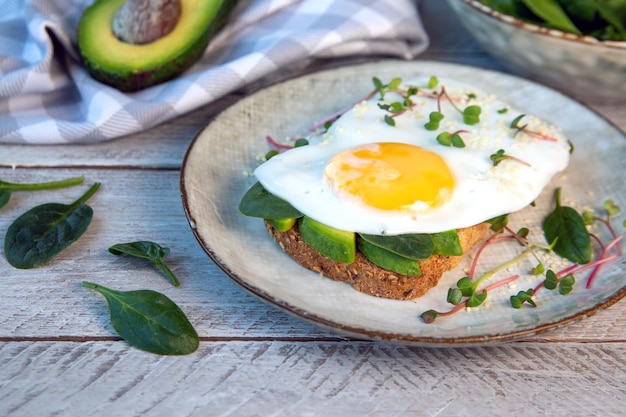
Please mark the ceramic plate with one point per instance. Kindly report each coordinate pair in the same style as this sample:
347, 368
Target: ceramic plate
215, 176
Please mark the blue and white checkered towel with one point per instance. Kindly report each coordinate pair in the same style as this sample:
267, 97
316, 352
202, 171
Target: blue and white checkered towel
46, 97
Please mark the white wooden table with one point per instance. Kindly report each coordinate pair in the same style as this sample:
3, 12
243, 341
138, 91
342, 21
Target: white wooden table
59, 355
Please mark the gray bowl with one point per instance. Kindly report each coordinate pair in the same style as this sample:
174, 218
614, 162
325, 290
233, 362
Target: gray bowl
581, 66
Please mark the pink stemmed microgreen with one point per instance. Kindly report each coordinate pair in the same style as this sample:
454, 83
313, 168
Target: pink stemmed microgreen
281, 146
465, 294
501, 155
515, 124
430, 315
326, 121
277, 145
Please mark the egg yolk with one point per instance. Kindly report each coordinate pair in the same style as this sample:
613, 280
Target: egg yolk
391, 176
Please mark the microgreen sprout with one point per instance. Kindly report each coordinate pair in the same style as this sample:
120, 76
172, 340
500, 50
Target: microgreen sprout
604, 257
300, 142
277, 145
270, 154
539, 269
451, 139
500, 156
590, 218
432, 82
515, 124
521, 297
465, 287
466, 293
435, 118
327, 121
397, 107
498, 223
565, 284
468, 287
385, 88
430, 316
281, 146
611, 208
471, 114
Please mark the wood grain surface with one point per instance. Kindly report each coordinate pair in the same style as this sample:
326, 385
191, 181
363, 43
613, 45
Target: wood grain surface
315, 378
59, 355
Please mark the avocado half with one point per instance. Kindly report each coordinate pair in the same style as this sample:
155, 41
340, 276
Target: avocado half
129, 67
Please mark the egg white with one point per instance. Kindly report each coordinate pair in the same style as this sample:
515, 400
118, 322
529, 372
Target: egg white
482, 190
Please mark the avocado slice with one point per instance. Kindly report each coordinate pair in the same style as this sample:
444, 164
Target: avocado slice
131, 67
389, 260
282, 225
338, 245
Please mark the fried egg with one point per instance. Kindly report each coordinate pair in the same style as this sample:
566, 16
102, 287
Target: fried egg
367, 176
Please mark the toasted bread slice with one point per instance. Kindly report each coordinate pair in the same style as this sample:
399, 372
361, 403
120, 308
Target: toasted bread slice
371, 279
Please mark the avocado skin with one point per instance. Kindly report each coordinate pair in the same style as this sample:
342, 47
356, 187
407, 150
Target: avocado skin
130, 80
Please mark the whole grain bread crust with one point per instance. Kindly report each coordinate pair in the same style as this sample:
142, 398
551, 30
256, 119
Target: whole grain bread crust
368, 277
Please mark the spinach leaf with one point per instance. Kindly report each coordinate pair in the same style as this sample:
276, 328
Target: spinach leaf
567, 227
612, 16
514, 8
149, 321
411, 246
38, 235
7, 188
5, 196
447, 243
257, 202
552, 14
147, 250
583, 11
389, 260
602, 19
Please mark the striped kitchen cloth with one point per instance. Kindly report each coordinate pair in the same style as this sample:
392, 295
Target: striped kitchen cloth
46, 96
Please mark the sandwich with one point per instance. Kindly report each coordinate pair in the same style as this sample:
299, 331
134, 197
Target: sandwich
394, 191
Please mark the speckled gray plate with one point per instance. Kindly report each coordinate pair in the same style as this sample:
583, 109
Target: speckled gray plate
213, 181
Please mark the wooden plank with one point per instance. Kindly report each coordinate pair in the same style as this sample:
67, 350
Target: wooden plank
130, 205
162, 146
49, 302
312, 379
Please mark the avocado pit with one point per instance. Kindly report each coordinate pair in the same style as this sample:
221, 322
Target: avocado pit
139, 22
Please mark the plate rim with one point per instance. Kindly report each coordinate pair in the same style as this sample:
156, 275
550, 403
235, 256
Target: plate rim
374, 335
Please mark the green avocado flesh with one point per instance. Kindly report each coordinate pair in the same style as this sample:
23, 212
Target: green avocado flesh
129, 67
338, 245
400, 254
282, 225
